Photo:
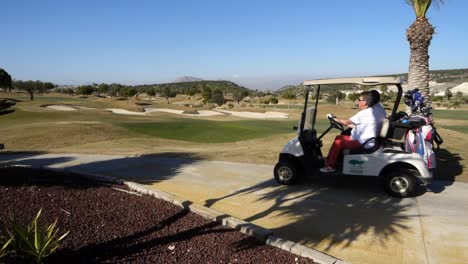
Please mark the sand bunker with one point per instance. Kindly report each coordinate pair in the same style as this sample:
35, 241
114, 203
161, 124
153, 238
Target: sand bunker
124, 112
180, 112
201, 113
266, 115
61, 108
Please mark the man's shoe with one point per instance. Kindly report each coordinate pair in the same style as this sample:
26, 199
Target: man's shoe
327, 169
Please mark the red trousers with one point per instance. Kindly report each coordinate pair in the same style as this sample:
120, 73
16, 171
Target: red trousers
336, 150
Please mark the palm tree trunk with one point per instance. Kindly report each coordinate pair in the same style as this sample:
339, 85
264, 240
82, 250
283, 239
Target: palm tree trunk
419, 36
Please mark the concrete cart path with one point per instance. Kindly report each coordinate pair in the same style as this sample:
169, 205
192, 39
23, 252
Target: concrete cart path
352, 219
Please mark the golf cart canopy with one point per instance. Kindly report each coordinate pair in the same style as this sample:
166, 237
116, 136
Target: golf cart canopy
357, 80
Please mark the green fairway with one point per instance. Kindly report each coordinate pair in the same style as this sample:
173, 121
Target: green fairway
206, 131
451, 114
462, 129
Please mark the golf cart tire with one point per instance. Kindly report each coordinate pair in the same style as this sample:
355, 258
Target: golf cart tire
400, 183
286, 172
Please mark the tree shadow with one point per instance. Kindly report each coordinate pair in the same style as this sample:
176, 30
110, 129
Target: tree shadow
30, 159
137, 243
27, 177
331, 211
144, 169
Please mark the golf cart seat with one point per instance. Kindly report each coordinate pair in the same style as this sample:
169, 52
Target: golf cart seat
378, 141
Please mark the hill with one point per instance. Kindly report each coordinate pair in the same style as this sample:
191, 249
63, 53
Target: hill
440, 80
187, 79
225, 86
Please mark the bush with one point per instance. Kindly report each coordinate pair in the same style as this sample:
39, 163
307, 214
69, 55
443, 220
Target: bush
32, 242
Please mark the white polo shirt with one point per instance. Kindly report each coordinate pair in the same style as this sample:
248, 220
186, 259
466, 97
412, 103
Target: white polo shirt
367, 124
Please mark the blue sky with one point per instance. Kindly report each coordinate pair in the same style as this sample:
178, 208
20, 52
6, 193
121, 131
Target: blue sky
256, 43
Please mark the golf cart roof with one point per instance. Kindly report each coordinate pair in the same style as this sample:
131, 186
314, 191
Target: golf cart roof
356, 80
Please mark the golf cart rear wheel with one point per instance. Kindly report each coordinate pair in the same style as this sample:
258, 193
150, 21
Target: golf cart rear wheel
400, 183
285, 172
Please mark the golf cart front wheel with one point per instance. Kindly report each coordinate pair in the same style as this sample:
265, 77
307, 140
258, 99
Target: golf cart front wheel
400, 184
285, 172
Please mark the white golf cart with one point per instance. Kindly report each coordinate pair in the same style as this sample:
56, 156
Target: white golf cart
401, 171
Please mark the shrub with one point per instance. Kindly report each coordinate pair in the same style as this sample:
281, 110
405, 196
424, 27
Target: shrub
33, 242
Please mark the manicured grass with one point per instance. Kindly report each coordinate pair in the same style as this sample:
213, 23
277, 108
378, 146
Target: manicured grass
451, 114
462, 129
206, 131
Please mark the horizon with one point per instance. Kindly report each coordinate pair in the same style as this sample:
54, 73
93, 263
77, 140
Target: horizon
259, 45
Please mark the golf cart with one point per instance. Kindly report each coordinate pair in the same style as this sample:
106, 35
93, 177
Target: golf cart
400, 170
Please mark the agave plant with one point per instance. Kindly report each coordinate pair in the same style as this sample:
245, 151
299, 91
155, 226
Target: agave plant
32, 241
5, 249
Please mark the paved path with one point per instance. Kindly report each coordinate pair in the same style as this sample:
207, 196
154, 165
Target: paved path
352, 219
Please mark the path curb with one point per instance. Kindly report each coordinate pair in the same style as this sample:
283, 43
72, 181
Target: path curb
264, 235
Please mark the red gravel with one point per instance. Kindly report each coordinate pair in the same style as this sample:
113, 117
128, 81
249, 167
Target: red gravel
109, 226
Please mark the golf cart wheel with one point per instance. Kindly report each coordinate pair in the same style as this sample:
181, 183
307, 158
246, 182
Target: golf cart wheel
285, 172
400, 183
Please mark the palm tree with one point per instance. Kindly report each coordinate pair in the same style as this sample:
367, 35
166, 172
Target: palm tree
419, 36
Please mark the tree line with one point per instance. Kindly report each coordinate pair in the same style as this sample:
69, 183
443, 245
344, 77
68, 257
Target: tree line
211, 91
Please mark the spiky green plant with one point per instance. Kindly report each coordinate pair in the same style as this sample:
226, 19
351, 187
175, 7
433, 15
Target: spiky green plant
5, 249
32, 241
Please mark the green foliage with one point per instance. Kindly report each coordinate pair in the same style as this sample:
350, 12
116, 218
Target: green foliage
217, 97
5, 249
103, 88
150, 91
274, 100
33, 241
168, 93
448, 93
353, 96
206, 94
128, 92
69, 91
288, 94
85, 89
33, 86
422, 6
238, 95
337, 94
5, 79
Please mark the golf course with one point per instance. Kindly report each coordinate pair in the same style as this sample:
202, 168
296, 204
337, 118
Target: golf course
58, 123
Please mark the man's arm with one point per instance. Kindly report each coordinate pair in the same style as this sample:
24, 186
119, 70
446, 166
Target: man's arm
346, 122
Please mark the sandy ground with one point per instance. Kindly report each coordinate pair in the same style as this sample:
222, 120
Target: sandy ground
62, 108
201, 113
180, 112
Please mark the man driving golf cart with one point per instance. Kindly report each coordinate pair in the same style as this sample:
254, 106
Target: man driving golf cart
400, 170
365, 125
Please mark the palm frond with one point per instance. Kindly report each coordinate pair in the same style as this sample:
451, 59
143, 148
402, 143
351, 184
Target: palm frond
422, 6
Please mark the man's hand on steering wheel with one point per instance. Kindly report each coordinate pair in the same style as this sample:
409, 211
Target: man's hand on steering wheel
334, 122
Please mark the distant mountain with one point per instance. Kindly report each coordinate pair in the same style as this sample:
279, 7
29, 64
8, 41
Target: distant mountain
188, 79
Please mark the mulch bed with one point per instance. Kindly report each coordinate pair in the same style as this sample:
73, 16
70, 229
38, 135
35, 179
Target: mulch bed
109, 226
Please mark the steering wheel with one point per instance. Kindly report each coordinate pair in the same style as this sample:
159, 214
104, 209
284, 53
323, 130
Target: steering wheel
334, 123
